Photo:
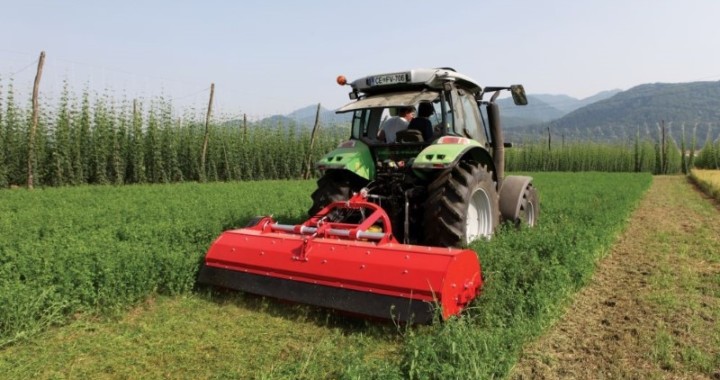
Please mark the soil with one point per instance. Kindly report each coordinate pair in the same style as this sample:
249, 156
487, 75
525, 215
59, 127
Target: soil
652, 308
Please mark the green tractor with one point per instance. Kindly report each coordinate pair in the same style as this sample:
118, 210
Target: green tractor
440, 187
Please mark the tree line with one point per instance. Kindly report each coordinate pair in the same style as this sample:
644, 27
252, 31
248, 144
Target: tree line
97, 139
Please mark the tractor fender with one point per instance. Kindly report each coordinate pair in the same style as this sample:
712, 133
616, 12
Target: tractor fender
445, 156
351, 155
511, 193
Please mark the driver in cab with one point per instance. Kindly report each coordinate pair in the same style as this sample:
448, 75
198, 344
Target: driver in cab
395, 124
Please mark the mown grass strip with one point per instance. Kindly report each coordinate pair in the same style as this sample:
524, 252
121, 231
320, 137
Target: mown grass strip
652, 306
686, 286
197, 337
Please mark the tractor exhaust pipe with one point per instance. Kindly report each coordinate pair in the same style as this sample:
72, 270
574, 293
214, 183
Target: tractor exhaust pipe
498, 142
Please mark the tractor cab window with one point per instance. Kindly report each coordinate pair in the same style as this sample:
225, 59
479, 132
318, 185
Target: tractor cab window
472, 126
359, 123
369, 112
366, 123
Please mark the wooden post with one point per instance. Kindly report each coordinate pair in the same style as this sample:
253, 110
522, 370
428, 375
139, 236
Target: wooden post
549, 140
244, 139
663, 148
203, 155
228, 174
33, 129
313, 135
693, 143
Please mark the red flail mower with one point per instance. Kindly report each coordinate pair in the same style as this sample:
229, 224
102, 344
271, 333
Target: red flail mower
358, 267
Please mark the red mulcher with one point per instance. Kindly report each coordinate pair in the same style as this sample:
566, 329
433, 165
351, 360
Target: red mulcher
358, 268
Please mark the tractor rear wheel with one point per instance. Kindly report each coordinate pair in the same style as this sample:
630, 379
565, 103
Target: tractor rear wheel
334, 186
462, 206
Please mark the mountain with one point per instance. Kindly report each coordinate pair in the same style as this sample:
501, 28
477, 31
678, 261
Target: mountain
536, 111
563, 103
306, 115
544, 107
596, 98
640, 110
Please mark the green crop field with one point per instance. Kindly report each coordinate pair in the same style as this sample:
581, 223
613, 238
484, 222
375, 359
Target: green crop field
104, 277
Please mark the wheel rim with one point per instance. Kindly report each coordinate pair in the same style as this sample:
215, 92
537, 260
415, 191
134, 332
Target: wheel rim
479, 217
530, 214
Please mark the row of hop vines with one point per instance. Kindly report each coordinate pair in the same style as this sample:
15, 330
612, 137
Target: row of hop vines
709, 156
659, 155
84, 139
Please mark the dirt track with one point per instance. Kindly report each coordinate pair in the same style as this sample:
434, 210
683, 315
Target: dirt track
652, 309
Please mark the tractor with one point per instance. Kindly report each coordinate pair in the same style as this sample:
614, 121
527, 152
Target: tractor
446, 191
394, 211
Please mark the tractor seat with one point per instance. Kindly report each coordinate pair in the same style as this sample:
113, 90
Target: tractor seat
409, 136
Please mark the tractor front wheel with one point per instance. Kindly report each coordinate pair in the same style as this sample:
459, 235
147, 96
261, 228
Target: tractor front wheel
462, 206
529, 207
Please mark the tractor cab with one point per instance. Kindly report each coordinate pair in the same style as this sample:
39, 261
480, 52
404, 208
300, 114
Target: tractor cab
450, 102
453, 96
389, 221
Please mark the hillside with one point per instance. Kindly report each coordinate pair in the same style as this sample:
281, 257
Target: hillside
543, 108
689, 103
536, 111
306, 115
695, 105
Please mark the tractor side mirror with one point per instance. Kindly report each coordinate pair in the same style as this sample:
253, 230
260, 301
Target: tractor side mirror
518, 95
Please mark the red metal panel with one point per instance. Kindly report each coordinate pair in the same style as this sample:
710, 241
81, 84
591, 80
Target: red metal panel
450, 276
333, 254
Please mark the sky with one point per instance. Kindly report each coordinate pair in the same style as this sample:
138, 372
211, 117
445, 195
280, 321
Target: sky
273, 57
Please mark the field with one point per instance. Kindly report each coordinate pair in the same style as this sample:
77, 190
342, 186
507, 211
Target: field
652, 308
100, 282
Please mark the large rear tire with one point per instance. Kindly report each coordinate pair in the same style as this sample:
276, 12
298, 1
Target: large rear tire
462, 206
334, 186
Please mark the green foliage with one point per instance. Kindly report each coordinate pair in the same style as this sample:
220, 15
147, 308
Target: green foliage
709, 156
530, 275
14, 130
103, 248
3, 167
98, 140
641, 156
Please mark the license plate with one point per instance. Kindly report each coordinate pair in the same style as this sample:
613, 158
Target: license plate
387, 79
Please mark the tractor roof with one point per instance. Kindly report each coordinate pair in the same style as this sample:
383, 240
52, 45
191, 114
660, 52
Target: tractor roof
395, 99
412, 80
